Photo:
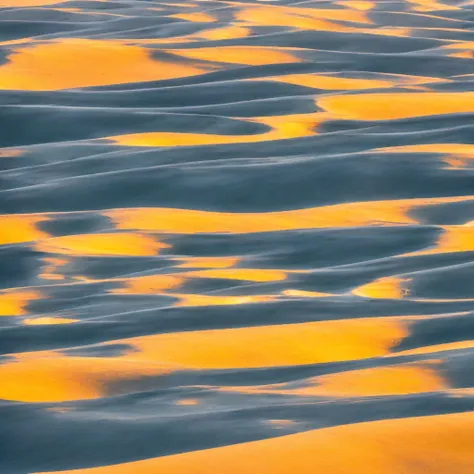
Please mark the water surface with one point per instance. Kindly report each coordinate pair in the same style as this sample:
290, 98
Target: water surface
237, 237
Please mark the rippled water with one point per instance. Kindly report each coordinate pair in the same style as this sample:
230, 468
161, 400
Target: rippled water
237, 237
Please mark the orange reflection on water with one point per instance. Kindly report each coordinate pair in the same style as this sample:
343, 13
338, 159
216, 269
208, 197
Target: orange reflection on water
453, 239
318, 81
11, 152
353, 19
210, 34
275, 15
15, 302
402, 379
187, 402
18, 228
155, 284
48, 321
29, 3
47, 65
126, 243
246, 274
431, 6
51, 269
207, 262
463, 54
283, 127
250, 55
386, 106
431, 444
305, 294
457, 154
195, 17
190, 221
166, 139
186, 299
357, 5
281, 423
225, 32
148, 285
51, 377
334, 82
387, 287
448, 346
272, 346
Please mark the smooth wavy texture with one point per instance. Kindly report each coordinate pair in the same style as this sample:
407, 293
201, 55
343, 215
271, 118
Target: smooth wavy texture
237, 236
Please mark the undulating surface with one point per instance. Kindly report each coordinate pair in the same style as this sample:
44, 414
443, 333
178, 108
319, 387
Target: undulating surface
237, 237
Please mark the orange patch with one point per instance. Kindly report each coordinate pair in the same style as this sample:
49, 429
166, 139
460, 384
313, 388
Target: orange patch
148, 285
188, 402
451, 148
11, 152
197, 17
380, 381
207, 262
218, 300
305, 294
431, 6
29, 3
51, 269
272, 17
453, 239
463, 54
448, 346
188, 221
387, 31
250, 55
50, 376
18, 228
245, 274
386, 106
228, 32
403, 379
430, 444
272, 346
266, 15
458, 154
281, 423
168, 139
48, 320
283, 128
357, 5
387, 288
318, 81
107, 244
14, 302
56, 378
48, 65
